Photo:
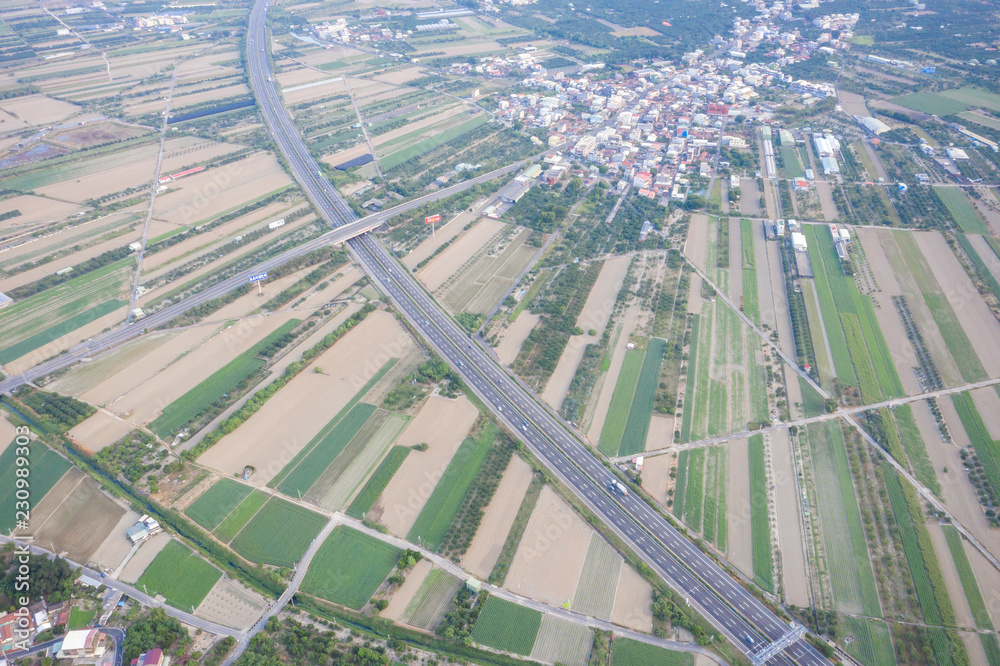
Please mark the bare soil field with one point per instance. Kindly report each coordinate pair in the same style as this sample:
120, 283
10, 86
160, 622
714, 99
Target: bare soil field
954, 584
442, 235
903, 356
132, 168
825, 194
180, 101
142, 558
896, 271
434, 274
749, 197
605, 386
402, 597
481, 287
147, 400
401, 76
497, 520
738, 504
594, 316
96, 134
100, 430
442, 424
697, 240
988, 579
661, 432
326, 90
977, 320
232, 605
38, 110
116, 545
300, 76
409, 128
212, 192
80, 522
515, 336
550, 557
462, 49
656, 476
633, 601
49, 504
270, 438
958, 494
36, 209
853, 103
786, 500
983, 248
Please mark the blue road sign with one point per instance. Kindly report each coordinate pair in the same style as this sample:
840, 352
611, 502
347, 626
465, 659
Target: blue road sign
257, 278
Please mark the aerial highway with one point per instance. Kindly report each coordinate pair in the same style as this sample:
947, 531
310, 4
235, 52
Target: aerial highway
737, 614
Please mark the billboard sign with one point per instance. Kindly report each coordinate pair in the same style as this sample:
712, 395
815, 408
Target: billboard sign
257, 277
432, 219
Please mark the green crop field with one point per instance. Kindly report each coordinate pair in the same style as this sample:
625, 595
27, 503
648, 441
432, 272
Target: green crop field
392, 160
828, 309
915, 447
850, 569
240, 516
986, 447
760, 526
872, 645
981, 268
503, 625
637, 426
680, 486
751, 301
79, 618
932, 103
325, 449
279, 534
974, 97
694, 495
431, 601
349, 567
334, 422
439, 511
969, 365
961, 210
859, 354
973, 594
47, 467
746, 237
628, 652
377, 482
183, 578
217, 502
221, 382
702, 379
791, 161
621, 402
689, 388
55, 332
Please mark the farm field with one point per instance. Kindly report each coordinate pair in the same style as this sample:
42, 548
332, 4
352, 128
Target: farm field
443, 266
872, 645
188, 406
498, 518
850, 569
961, 210
690, 388
503, 625
180, 576
621, 402
641, 410
237, 519
349, 567
383, 474
282, 428
430, 602
562, 642
46, 470
932, 103
232, 605
480, 288
596, 589
628, 652
279, 534
217, 502
442, 424
763, 565
441, 507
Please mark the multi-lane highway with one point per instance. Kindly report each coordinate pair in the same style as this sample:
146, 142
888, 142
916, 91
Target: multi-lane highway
743, 619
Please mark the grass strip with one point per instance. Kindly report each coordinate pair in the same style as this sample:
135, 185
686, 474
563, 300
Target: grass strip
378, 482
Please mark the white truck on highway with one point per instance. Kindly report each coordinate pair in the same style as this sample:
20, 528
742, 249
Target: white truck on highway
618, 487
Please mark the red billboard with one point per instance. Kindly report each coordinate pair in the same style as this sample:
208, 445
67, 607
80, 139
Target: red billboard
432, 219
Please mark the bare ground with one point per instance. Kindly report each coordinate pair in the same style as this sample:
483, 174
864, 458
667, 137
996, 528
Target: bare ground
633, 601
697, 240
143, 557
288, 421
549, 559
497, 520
442, 234
435, 273
661, 432
656, 476
404, 595
232, 605
442, 424
738, 503
116, 545
605, 386
963, 615
988, 579
100, 430
515, 336
786, 503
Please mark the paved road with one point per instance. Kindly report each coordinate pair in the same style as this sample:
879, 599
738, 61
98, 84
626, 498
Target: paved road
123, 334
141, 597
736, 613
300, 572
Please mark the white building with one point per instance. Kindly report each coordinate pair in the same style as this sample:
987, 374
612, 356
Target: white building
798, 241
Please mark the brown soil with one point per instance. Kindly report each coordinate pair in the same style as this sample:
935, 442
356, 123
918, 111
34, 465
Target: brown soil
786, 503
435, 273
515, 336
498, 518
232, 605
143, 557
402, 597
100, 430
738, 504
633, 601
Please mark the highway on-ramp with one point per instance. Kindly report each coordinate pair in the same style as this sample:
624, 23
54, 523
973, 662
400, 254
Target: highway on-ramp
740, 616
